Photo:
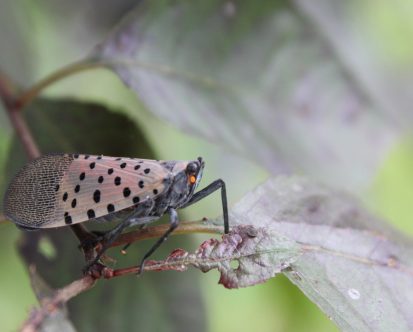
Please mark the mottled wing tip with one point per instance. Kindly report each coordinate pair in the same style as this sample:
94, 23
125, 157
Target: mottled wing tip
30, 200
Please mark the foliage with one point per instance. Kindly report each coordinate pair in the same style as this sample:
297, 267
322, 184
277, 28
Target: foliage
288, 86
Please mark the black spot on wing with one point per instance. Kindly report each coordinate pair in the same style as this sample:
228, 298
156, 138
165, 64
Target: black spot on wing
117, 181
110, 208
96, 196
68, 219
126, 192
91, 213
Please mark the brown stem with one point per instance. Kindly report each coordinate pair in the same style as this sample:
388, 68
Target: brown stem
51, 304
151, 265
24, 133
14, 104
7, 95
158, 230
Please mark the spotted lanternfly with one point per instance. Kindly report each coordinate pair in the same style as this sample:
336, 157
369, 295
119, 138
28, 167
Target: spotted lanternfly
65, 189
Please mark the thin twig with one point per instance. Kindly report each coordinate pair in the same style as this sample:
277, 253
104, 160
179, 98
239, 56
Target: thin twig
187, 227
7, 95
27, 96
24, 133
50, 305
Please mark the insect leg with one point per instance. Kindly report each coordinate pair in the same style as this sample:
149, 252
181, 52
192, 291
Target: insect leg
127, 245
109, 237
174, 221
141, 211
214, 186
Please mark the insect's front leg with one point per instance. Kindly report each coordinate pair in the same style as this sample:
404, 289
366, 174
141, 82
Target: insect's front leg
141, 211
208, 190
173, 223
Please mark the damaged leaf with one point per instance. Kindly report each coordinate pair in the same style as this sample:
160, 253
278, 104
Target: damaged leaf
259, 253
354, 267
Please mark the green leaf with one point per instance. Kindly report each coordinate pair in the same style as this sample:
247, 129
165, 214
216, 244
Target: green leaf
356, 269
373, 45
147, 303
350, 264
260, 80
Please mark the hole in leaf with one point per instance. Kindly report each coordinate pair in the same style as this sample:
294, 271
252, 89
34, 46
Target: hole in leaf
234, 264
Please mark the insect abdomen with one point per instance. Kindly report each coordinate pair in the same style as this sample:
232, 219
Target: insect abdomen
31, 199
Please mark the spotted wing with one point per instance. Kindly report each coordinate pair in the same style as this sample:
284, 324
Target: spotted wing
58, 190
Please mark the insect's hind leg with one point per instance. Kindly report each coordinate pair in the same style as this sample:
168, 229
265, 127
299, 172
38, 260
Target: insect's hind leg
110, 236
174, 222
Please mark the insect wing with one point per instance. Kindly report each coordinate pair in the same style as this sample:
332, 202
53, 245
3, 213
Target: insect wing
30, 200
76, 188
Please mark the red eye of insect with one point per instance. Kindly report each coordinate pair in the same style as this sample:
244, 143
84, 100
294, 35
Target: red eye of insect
192, 179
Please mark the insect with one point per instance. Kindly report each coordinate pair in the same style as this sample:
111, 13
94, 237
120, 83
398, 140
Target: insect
64, 189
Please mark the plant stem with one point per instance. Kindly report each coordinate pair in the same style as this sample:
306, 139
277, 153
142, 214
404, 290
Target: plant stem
7, 95
50, 305
27, 96
24, 133
156, 231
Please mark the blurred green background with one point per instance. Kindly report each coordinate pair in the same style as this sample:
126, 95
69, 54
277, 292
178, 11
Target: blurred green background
38, 37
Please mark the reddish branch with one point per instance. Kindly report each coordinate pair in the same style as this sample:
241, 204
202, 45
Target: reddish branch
8, 96
157, 231
55, 303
